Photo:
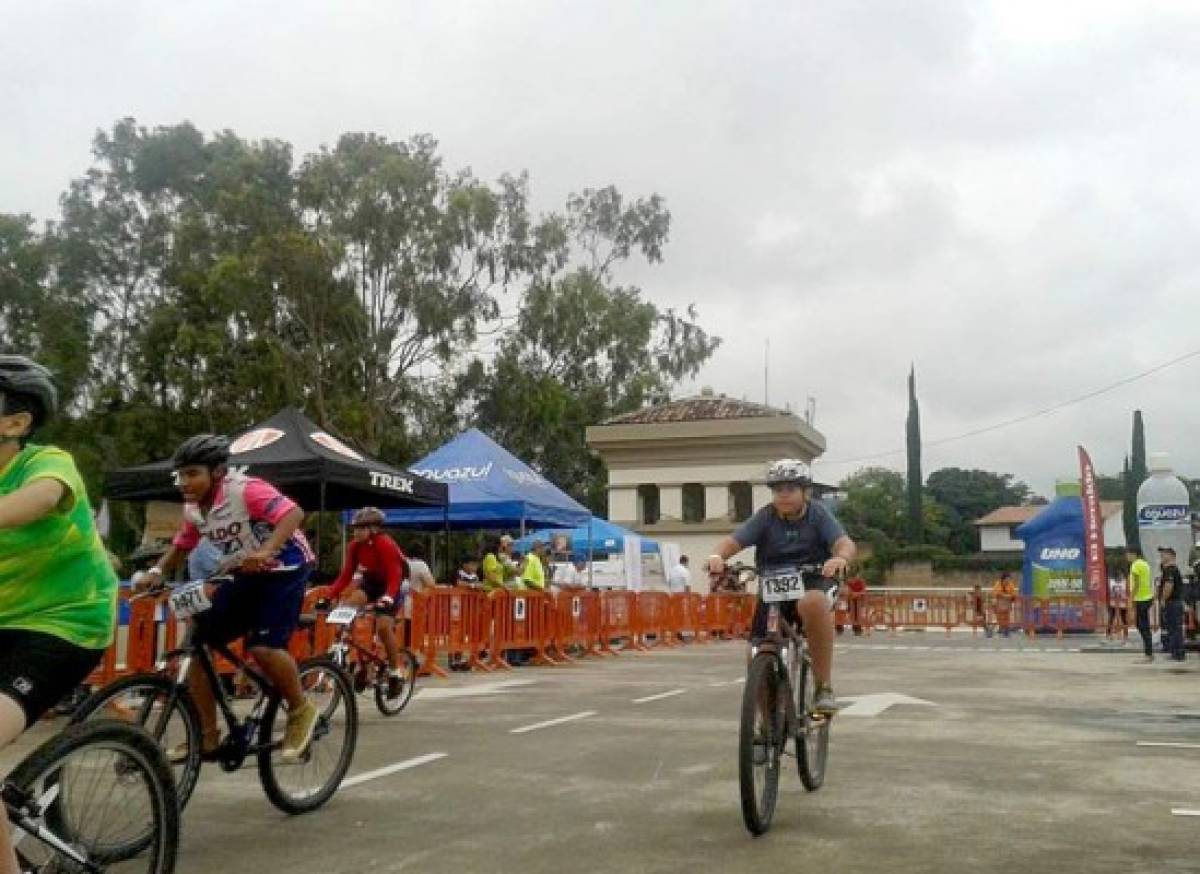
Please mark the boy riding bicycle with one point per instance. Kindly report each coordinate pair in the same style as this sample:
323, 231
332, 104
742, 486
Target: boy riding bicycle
793, 530
372, 572
258, 532
58, 591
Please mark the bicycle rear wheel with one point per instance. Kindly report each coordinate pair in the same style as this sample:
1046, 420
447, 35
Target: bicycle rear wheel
306, 785
812, 731
761, 740
390, 706
155, 703
95, 791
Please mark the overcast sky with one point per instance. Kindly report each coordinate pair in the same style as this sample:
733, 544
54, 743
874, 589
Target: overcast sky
1005, 194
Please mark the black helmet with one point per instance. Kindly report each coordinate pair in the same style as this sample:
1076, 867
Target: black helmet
28, 387
205, 450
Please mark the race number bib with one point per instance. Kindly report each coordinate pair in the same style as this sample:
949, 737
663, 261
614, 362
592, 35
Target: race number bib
342, 616
782, 584
189, 600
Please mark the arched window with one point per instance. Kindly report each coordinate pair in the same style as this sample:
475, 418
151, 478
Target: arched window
693, 502
741, 501
648, 504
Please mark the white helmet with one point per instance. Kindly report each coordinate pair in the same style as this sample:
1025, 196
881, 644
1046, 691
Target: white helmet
789, 470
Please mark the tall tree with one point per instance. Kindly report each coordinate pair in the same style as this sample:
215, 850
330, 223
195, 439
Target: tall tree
1138, 471
969, 494
913, 445
585, 348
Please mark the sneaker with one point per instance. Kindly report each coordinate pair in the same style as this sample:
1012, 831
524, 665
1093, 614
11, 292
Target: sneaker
301, 723
825, 702
395, 686
178, 754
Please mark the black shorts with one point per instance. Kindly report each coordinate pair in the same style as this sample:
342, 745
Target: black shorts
758, 628
375, 587
264, 608
38, 670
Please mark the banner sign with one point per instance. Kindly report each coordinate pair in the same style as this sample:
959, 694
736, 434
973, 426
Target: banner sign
1095, 573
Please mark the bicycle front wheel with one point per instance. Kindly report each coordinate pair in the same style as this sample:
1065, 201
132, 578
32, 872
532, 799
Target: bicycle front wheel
812, 731
390, 705
307, 784
761, 740
89, 795
166, 711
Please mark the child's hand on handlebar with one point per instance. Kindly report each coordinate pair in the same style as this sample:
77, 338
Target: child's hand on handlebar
835, 568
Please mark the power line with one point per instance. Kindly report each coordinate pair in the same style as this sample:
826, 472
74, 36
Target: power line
1008, 423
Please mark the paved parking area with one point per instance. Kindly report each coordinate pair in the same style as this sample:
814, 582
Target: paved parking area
954, 754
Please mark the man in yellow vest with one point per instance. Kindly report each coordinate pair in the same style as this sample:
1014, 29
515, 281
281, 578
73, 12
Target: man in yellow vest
1141, 593
533, 572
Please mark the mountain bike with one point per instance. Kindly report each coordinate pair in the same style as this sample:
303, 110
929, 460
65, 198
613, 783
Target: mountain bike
777, 703
365, 666
96, 794
161, 702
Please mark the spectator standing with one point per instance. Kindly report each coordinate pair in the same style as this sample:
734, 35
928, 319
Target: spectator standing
419, 578
679, 580
492, 569
1141, 592
856, 587
1118, 594
1172, 600
533, 571
980, 617
1004, 593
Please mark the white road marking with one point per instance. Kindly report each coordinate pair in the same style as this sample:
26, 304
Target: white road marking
1170, 744
549, 722
873, 705
659, 696
1184, 811
474, 691
392, 769
736, 682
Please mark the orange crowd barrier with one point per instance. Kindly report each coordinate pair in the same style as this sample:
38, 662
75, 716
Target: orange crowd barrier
451, 621
652, 620
522, 621
577, 621
687, 617
617, 615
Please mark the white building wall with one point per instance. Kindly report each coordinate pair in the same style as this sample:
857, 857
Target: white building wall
670, 503
995, 538
1114, 532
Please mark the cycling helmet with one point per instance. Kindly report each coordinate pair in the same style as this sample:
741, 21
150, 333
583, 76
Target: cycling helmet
204, 450
789, 470
367, 517
27, 388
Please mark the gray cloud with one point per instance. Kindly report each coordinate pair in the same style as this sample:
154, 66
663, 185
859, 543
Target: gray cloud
1003, 193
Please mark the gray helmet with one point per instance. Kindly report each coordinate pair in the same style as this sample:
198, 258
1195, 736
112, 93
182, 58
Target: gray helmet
204, 450
367, 517
27, 388
789, 470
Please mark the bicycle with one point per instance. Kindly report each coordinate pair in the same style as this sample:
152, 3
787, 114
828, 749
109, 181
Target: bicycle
367, 668
162, 702
64, 821
777, 703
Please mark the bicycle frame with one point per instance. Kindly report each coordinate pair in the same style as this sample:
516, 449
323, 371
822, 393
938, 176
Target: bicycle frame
240, 738
23, 813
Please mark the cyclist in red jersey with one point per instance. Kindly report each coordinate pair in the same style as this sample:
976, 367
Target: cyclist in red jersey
373, 571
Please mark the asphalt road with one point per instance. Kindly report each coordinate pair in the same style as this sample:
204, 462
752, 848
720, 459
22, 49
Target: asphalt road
979, 756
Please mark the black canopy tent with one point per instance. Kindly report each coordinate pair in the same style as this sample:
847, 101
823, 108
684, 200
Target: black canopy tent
306, 462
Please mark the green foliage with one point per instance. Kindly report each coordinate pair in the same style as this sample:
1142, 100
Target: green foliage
1136, 473
968, 495
913, 446
201, 283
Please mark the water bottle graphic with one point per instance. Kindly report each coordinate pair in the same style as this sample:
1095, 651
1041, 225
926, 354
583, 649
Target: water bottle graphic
1164, 514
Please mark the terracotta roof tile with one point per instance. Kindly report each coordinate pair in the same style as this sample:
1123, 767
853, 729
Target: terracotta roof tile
697, 409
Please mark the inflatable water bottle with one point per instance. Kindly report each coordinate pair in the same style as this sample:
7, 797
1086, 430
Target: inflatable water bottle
1164, 514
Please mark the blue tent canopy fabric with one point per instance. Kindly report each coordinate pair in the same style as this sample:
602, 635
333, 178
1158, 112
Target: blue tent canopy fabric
605, 537
489, 488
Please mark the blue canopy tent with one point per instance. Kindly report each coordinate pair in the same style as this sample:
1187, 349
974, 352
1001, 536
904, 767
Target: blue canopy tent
489, 488
601, 536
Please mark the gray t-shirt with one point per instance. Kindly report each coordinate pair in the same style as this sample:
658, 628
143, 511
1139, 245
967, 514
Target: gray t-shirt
780, 541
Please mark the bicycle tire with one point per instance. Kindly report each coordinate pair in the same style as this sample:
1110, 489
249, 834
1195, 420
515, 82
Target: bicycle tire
765, 695
141, 752
185, 773
812, 733
392, 706
270, 763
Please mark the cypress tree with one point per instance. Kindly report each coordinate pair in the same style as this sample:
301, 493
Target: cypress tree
1129, 504
913, 442
1137, 469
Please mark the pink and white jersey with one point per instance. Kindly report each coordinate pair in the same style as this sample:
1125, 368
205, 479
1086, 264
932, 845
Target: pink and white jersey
243, 517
